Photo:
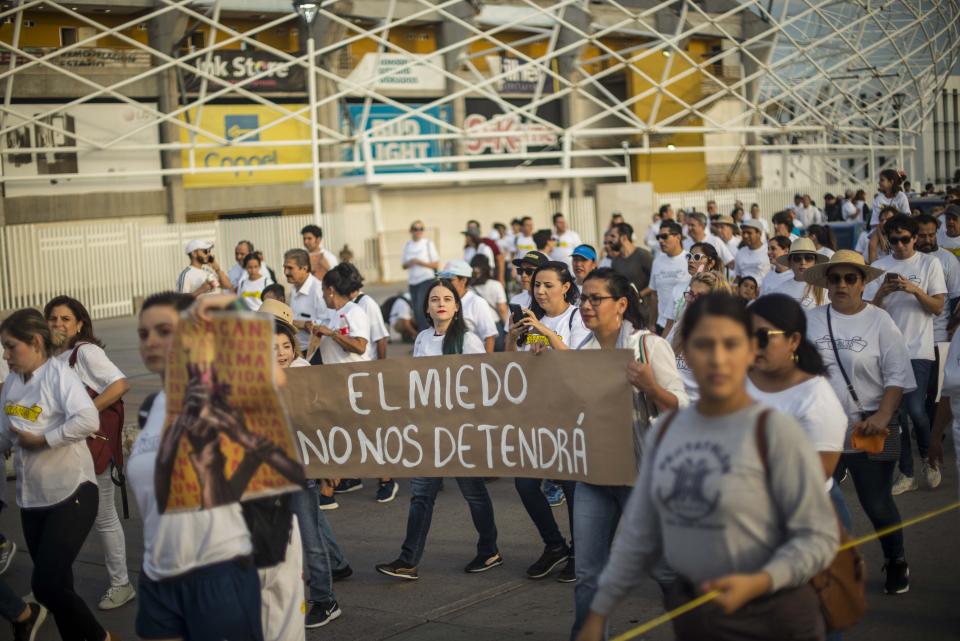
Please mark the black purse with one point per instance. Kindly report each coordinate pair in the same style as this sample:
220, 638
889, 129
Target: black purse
891, 444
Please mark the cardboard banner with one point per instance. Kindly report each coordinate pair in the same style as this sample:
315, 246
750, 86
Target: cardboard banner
558, 415
226, 436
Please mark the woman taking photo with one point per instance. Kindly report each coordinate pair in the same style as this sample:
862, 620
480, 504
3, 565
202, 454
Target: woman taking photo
448, 335
345, 331
874, 361
802, 256
77, 347
612, 313
198, 579
776, 247
702, 257
47, 418
755, 537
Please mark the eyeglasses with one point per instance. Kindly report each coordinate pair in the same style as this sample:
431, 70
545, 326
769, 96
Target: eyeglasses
696, 257
416, 229
802, 258
527, 271
664, 236
849, 278
899, 240
593, 299
763, 336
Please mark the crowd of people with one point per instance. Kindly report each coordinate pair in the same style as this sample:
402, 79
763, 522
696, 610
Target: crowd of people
769, 365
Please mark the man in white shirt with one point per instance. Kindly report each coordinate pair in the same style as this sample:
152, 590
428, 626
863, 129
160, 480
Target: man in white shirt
752, 258
584, 259
669, 268
203, 275
564, 240
524, 240
808, 213
306, 300
321, 259
725, 228
237, 271
912, 291
421, 260
697, 232
477, 314
949, 235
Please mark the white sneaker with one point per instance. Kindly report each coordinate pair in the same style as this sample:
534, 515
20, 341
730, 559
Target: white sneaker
116, 596
930, 474
7, 550
904, 484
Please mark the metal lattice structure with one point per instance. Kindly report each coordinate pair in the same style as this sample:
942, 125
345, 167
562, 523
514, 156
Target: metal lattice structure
568, 89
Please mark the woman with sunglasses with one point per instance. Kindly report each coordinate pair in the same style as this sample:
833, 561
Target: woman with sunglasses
421, 260
803, 255
702, 257
754, 536
611, 311
874, 357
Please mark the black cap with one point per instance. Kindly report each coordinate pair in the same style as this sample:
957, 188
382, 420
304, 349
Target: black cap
534, 258
952, 210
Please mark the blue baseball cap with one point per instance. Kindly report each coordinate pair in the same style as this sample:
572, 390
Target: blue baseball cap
585, 251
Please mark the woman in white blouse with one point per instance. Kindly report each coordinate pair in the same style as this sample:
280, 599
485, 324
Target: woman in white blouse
47, 418
76, 345
611, 311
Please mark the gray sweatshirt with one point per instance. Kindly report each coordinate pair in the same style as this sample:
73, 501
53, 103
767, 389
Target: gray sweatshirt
702, 500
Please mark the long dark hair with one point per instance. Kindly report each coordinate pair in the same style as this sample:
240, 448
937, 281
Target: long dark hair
893, 177
619, 287
563, 273
85, 335
823, 235
482, 264
26, 324
714, 264
715, 304
787, 315
282, 328
457, 330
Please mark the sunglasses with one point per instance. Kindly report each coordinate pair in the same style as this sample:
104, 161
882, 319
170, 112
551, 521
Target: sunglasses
763, 336
803, 258
527, 271
848, 278
594, 299
416, 229
696, 257
664, 236
899, 240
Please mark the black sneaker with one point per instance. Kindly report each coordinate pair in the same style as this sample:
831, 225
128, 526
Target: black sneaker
343, 573
348, 485
548, 561
483, 563
321, 614
27, 630
898, 577
569, 572
387, 491
398, 569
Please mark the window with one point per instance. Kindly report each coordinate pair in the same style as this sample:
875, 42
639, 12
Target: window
68, 36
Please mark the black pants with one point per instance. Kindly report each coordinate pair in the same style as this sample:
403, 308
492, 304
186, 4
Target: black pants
54, 537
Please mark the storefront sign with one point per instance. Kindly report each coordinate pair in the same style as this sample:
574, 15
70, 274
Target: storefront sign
397, 72
518, 133
237, 66
520, 76
388, 119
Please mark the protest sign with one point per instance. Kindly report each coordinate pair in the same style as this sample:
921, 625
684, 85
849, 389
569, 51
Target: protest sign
559, 415
226, 437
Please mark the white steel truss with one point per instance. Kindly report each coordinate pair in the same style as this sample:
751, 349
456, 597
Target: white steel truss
570, 88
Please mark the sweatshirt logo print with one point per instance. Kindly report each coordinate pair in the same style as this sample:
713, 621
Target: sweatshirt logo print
694, 467
855, 344
27, 413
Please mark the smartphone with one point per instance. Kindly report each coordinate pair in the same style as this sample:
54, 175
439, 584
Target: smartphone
891, 277
516, 314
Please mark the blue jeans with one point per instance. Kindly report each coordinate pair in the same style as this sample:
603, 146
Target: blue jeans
418, 297
914, 406
873, 481
540, 512
843, 513
320, 550
423, 495
11, 605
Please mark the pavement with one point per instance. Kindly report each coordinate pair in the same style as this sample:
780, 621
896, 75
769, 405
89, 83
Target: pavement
502, 604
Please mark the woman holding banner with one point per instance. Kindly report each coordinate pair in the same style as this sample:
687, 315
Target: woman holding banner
611, 311
447, 336
706, 502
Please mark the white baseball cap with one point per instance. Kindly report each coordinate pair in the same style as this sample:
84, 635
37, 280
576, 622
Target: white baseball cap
456, 268
194, 245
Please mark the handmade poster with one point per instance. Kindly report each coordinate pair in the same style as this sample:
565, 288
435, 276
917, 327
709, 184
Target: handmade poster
557, 415
226, 436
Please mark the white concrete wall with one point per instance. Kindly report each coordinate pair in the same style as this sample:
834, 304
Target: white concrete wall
636, 201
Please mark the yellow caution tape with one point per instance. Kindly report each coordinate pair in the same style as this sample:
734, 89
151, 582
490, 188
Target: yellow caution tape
710, 596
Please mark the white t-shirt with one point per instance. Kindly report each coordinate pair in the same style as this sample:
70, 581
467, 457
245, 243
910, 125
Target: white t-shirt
810, 215
951, 275
300, 361
676, 298
564, 244
665, 274
523, 299
825, 251
774, 279
798, 290
482, 250
950, 243
53, 403
94, 368
401, 309
425, 250
850, 211
899, 200
250, 291
568, 326
905, 310
429, 343
349, 320
378, 329
873, 351
192, 278
175, 543
237, 273
494, 294
753, 262
478, 316
307, 305
523, 244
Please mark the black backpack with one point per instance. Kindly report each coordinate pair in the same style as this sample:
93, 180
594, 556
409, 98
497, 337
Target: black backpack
387, 306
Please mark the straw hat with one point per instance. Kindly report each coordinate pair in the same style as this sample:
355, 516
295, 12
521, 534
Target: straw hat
281, 312
817, 275
725, 220
802, 246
